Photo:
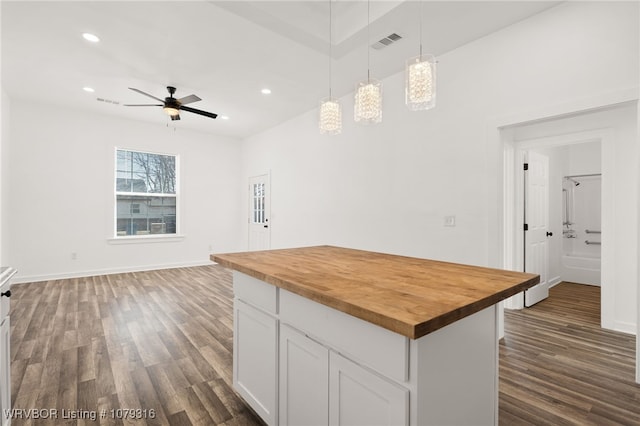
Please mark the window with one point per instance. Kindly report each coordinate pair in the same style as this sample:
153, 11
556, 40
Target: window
258, 203
146, 195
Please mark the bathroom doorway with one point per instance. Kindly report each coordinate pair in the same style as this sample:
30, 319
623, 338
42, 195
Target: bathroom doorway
611, 134
569, 154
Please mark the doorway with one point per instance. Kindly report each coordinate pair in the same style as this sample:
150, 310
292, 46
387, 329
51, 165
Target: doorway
568, 154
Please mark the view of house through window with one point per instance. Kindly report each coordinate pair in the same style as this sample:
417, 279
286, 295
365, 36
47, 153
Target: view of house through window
145, 193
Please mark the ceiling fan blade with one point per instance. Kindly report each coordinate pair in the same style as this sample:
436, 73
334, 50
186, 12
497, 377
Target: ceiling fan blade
143, 104
189, 99
199, 111
174, 117
146, 94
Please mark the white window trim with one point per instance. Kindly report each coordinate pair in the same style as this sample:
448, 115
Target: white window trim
132, 239
140, 239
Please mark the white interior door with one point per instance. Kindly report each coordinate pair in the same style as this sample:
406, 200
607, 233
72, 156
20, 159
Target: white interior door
259, 212
536, 259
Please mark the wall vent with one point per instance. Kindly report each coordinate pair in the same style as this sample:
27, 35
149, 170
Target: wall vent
387, 41
108, 101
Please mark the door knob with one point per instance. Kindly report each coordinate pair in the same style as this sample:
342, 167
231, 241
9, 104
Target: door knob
6, 293
549, 234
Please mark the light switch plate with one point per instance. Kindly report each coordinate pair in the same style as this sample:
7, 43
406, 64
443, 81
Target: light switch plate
449, 221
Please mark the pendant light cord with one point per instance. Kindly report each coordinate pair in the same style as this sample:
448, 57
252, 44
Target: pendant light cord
368, 41
330, 46
420, 29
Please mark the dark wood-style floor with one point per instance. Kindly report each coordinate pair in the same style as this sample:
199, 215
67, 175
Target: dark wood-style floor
558, 367
162, 341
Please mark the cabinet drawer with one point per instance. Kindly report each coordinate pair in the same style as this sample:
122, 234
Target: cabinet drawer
368, 344
255, 292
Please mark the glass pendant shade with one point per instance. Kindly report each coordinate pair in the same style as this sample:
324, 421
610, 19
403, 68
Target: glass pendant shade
367, 108
420, 82
330, 116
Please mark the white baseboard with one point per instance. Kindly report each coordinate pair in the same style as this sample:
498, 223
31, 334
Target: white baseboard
625, 327
18, 279
554, 281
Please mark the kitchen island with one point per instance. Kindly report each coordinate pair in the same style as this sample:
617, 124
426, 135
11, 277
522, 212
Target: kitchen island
329, 335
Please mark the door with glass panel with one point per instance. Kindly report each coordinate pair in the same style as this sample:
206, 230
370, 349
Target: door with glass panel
259, 212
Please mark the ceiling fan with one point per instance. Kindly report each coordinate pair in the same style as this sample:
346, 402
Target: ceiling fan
173, 106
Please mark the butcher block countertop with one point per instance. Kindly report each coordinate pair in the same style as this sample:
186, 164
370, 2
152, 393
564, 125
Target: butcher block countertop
407, 295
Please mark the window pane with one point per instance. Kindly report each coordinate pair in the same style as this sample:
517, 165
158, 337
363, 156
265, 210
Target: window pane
139, 215
258, 203
145, 172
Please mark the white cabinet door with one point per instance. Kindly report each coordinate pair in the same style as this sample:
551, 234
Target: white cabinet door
360, 397
304, 380
255, 363
5, 370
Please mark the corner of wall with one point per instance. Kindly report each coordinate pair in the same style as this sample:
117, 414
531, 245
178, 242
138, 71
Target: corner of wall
4, 141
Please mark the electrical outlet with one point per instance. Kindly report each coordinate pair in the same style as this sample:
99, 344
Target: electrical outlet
74, 256
449, 221
210, 248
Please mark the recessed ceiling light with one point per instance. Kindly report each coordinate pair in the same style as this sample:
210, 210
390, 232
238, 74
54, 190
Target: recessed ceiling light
224, 117
88, 89
266, 91
91, 37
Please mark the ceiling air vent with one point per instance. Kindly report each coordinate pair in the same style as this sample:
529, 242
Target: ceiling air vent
108, 101
388, 40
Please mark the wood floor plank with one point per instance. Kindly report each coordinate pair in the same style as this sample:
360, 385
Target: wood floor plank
163, 341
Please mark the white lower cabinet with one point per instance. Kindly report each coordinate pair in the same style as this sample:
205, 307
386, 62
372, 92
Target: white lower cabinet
304, 379
255, 359
360, 397
320, 387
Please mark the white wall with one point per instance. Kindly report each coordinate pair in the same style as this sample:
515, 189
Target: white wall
388, 187
59, 191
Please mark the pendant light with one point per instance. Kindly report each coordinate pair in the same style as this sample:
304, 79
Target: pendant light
330, 108
420, 79
367, 107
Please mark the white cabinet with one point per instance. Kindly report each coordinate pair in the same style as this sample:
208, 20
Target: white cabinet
5, 349
304, 379
320, 387
360, 397
255, 359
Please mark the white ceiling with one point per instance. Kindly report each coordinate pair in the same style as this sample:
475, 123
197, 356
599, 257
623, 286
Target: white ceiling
225, 52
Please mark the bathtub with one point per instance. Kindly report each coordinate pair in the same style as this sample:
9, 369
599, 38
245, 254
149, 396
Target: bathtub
583, 268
